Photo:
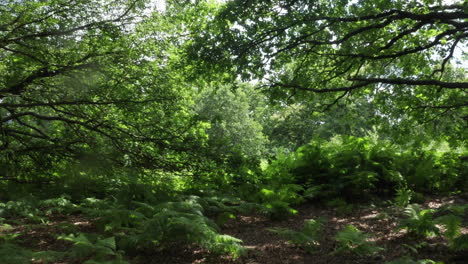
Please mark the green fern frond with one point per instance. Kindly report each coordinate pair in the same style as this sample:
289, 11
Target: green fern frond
181, 221
403, 197
13, 254
86, 245
407, 260
419, 222
188, 206
452, 224
144, 208
351, 239
460, 242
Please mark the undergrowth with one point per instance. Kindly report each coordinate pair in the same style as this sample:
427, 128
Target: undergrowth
141, 214
309, 237
352, 240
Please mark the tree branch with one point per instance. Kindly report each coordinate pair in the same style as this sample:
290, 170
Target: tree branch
397, 81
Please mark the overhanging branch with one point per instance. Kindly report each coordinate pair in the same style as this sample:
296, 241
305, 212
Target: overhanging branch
402, 81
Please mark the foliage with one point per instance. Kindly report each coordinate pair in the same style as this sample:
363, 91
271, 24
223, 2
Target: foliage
21, 208
341, 206
392, 53
158, 121
350, 239
432, 169
460, 242
145, 225
410, 261
233, 128
350, 167
277, 200
292, 123
83, 88
308, 238
403, 197
12, 254
135, 226
419, 222
452, 221
85, 246
452, 224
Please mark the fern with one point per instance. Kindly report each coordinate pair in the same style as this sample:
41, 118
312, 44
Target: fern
60, 204
88, 245
403, 197
459, 209
172, 225
248, 208
351, 239
407, 260
419, 222
341, 206
452, 224
460, 243
181, 221
216, 205
13, 254
308, 238
278, 210
147, 225
26, 208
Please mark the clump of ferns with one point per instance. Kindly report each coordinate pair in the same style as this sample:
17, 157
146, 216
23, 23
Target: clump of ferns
143, 226
452, 222
419, 222
181, 221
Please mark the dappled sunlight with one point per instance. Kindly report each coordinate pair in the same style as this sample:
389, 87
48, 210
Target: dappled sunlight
233, 131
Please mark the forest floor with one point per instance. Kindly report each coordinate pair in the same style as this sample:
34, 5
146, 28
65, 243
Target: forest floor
266, 247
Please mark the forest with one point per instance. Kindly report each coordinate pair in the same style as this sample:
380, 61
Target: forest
233, 131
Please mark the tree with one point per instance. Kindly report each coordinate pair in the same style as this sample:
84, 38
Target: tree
399, 54
235, 134
230, 112
84, 78
295, 125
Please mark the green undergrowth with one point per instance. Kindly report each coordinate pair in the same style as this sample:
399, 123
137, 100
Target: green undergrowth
363, 169
125, 227
352, 240
141, 213
420, 225
309, 237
